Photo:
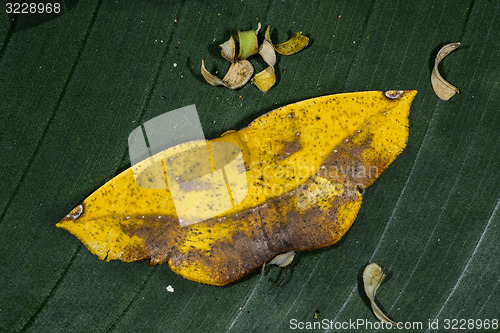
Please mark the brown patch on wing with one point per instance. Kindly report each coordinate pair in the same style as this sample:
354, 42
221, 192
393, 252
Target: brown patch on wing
160, 235
227, 259
347, 166
290, 147
276, 227
312, 228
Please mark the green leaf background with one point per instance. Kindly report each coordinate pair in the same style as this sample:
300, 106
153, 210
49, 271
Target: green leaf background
74, 87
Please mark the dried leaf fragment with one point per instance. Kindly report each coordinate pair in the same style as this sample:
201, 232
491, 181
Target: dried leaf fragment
236, 77
265, 79
228, 49
442, 88
283, 260
266, 50
373, 275
291, 46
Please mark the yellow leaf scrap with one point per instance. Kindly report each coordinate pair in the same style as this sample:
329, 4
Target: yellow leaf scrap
442, 88
291, 46
265, 79
373, 275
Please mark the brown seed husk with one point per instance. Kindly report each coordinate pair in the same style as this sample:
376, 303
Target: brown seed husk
283, 260
443, 89
266, 50
236, 77
373, 275
228, 49
267, 34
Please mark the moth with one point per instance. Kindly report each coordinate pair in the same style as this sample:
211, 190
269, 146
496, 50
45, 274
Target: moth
298, 187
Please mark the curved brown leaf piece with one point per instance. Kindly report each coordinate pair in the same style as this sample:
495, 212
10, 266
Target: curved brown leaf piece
373, 276
236, 77
304, 163
283, 260
443, 88
266, 50
228, 49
